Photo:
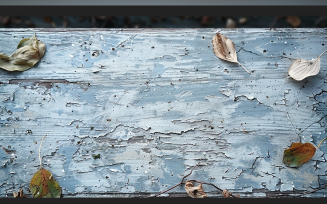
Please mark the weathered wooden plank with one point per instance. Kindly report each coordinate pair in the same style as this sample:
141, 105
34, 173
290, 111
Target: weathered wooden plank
155, 102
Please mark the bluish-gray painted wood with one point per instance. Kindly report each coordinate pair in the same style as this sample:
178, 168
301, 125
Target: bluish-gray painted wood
155, 102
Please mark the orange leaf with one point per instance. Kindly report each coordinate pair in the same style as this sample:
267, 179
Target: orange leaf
298, 154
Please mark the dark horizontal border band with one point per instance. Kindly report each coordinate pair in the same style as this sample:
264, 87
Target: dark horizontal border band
163, 10
164, 3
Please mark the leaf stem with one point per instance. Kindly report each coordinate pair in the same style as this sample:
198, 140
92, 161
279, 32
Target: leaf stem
321, 54
40, 151
321, 142
244, 67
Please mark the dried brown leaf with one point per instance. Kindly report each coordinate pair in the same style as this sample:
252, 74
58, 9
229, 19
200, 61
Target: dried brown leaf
294, 21
224, 49
226, 193
20, 194
301, 68
29, 52
194, 192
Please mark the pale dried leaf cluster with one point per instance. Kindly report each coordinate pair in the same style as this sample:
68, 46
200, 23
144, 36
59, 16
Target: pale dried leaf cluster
29, 52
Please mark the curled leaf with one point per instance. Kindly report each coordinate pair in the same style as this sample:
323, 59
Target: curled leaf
194, 192
226, 193
20, 194
301, 68
298, 154
224, 49
29, 52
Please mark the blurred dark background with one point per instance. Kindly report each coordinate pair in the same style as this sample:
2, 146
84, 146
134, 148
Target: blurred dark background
163, 22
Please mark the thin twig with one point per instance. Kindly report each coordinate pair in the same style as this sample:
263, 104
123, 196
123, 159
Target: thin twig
166, 190
211, 184
302, 194
40, 151
312, 191
189, 173
180, 183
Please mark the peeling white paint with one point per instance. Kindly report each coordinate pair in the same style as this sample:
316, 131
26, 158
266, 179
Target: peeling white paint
153, 113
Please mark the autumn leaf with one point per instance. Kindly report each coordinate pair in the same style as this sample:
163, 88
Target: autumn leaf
301, 68
29, 52
299, 153
194, 192
42, 184
224, 49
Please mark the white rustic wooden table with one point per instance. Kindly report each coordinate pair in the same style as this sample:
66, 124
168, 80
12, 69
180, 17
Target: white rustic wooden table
152, 103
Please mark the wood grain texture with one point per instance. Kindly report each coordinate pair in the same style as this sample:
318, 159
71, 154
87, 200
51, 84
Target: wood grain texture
154, 103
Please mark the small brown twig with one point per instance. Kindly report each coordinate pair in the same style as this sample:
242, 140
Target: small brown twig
180, 183
165, 190
189, 173
313, 191
211, 184
302, 194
